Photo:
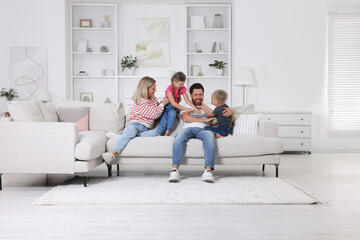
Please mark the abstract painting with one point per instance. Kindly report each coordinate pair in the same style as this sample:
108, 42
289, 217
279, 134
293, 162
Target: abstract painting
153, 45
29, 71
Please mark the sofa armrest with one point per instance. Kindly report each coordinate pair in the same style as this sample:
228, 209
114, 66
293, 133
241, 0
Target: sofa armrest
268, 128
37, 147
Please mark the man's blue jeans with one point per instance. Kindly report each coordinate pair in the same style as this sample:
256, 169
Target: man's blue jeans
167, 119
207, 137
132, 130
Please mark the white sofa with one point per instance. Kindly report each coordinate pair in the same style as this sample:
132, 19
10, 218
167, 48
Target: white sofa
35, 142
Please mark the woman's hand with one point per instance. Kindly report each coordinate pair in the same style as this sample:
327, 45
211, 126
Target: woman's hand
165, 100
227, 112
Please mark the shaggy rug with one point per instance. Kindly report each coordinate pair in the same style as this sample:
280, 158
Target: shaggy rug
157, 190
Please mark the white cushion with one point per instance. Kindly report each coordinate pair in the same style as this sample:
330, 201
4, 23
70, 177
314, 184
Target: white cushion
90, 145
25, 111
48, 111
159, 146
246, 124
248, 109
107, 117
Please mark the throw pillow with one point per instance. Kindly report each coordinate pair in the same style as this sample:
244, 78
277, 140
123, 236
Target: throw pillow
25, 111
79, 115
246, 124
248, 109
48, 111
108, 117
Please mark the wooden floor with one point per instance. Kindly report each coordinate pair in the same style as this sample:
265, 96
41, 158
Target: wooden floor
334, 178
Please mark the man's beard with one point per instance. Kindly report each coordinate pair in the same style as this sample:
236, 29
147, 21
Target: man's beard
197, 104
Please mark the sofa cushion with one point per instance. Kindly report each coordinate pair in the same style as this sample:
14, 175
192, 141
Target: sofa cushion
90, 146
244, 145
246, 124
103, 116
79, 115
25, 111
159, 146
48, 111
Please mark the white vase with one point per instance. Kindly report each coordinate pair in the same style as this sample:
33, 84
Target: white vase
219, 72
129, 71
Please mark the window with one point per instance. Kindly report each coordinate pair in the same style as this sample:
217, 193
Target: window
344, 73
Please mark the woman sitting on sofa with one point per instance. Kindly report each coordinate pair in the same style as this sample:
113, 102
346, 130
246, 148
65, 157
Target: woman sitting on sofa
142, 115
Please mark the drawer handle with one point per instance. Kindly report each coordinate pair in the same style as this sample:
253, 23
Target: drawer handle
302, 131
302, 144
269, 118
302, 119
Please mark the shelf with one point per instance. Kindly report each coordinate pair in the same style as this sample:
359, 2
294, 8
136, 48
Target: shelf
93, 53
94, 29
138, 77
207, 29
189, 53
207, 77
94, 77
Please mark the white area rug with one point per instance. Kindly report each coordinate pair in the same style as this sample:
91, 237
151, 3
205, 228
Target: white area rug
157, 190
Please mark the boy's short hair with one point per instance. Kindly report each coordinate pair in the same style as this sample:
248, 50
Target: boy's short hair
220, 95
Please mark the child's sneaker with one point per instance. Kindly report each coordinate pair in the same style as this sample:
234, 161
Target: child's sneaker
207, 176
108, 157
174, 175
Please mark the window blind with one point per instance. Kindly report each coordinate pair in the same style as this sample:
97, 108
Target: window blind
344, 73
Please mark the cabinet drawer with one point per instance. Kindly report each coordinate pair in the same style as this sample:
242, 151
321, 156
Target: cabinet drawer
288, 119
296, 144
294, 132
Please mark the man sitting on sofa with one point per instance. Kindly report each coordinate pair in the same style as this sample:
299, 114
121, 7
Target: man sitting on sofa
193, 128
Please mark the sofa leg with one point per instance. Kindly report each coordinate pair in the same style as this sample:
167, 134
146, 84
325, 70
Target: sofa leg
118, 170
263, 168
85, 179
277, 170
109, 166
0, 182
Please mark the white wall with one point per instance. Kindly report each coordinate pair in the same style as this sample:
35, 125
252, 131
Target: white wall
284, 41
286, 44
35, 23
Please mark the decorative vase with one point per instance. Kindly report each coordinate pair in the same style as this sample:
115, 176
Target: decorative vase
7, 114
129, 71
218, 22
219, 72
107, 100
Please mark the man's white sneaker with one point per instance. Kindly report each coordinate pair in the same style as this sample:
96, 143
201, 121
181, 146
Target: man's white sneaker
174, 175
207, 176
110, 135
108, 157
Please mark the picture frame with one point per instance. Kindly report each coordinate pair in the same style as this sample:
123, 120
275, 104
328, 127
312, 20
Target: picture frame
85, 23
197, 22
107, 72
195, 70
86, 96
82, 46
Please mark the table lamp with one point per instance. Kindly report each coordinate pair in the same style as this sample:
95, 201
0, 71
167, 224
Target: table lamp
244, 77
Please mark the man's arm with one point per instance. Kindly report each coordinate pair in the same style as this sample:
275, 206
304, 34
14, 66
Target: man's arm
189, 119
229, 112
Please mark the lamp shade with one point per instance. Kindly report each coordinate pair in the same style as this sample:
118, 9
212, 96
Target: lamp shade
245, 76
44, 96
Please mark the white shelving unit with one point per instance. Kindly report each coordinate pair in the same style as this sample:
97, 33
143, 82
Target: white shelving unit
205, 37
95, 61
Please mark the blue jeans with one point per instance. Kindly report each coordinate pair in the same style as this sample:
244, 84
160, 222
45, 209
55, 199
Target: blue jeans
132, 130
207, 137
167, 119
221, 130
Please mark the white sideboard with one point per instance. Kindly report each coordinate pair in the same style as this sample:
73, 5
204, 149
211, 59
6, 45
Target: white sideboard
294, 129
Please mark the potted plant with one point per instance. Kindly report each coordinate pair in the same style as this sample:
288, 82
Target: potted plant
219, 66
9, 96
128, 64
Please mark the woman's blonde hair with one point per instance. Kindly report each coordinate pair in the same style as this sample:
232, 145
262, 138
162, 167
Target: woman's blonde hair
142, 89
